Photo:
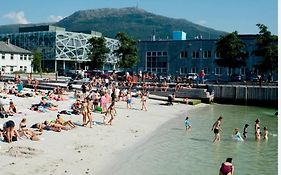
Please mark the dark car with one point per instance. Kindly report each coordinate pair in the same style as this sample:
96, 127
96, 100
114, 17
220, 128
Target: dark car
236, 77
92, 73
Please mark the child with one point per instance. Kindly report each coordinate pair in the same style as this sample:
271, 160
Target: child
237, 135
265, 136
245, 131
187, 123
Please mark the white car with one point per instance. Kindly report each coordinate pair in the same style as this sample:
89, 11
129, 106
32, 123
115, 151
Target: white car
192, 76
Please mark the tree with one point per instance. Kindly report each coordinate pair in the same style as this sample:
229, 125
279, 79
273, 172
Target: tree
266, 47
231, 51
127, 51
98, 52
36, 62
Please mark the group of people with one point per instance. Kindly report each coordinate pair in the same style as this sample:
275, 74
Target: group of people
237, 135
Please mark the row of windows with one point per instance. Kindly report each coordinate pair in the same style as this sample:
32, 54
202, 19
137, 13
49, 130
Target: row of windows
22, 57
22, 68
196, 54
218, 70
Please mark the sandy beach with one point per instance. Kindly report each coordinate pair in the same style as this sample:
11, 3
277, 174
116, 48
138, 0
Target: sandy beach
81, 150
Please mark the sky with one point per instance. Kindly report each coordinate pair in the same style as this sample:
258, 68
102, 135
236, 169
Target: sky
224, 15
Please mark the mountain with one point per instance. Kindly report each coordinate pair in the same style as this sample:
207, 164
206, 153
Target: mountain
137, 22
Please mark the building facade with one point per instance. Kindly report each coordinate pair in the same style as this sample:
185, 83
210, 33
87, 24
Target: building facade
180, 57
14, 59
60, 49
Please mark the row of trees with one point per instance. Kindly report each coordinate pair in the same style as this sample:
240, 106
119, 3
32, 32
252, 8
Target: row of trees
233, 55
126, 52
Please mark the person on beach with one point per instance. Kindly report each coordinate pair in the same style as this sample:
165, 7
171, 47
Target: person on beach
12, 109
217, 128
129, 100
112, 112
257, 130
237, 136
84, 111
61, 121
84, 89
10, 134
24, 131
187, 123
227, 167
90, 112
265, 133
143, 101
245, 131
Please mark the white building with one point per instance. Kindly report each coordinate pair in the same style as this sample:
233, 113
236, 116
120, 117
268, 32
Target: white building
14, 58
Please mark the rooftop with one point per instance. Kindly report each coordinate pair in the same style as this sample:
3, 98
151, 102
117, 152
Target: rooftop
6, 47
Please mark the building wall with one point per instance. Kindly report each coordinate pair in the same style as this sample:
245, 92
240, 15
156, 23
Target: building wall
192, 56
10, 63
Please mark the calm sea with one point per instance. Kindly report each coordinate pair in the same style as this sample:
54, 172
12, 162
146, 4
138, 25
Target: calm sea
172, 150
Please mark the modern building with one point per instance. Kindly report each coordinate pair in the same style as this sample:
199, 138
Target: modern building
60, 49
180, 57
14, 58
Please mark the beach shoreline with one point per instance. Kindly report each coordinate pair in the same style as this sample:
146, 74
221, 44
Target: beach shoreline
82, 150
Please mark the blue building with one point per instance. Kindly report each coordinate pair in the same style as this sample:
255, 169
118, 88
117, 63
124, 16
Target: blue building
179, 35
179, 57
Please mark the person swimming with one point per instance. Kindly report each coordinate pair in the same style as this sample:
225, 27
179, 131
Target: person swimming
237, 136
245, 131
187, 123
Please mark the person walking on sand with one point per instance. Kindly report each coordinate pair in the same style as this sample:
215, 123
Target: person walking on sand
187, 123
257, 130
129, 100
217, 128
227, 167
143, 101
84, 111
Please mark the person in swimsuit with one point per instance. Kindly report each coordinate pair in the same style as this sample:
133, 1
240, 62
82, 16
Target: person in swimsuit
227, 168
257, 130
265, 134
143, 101
24, 131
9, 132
84, 111
245, 131
129, 100
217, 128
187, 123
61, 121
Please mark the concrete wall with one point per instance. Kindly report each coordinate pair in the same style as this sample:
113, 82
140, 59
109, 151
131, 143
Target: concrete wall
256, 95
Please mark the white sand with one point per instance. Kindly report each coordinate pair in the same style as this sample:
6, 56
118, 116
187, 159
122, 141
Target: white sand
81, 150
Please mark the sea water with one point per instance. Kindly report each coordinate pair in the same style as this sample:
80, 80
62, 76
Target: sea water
172, 150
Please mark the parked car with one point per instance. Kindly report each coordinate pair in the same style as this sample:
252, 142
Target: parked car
92, 73
236, 77
192, 76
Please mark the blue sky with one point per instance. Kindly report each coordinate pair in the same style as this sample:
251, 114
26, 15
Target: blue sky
225, 15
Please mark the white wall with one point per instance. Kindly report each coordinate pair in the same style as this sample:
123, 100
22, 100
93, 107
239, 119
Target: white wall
19, 62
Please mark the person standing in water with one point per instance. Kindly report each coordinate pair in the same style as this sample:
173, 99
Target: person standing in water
187, 123
217, 128
245, 131
257, 130
237, 136
227, 168
265, 133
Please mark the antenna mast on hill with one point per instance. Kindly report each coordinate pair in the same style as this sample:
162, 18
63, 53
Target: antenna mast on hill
137, 6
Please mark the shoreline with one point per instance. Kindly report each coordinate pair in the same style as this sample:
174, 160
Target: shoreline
91, 150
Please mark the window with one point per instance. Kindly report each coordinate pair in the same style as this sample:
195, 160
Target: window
195, 54
21, 57
3, 56
183, 70
29, 58
20, 68
194, 70
25, 68
218, 71
217, 55
12, 56
11, 69
148, 53
243, 70
231, 71
207, 54
25, 57
183, 54
157, 62
206, 70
